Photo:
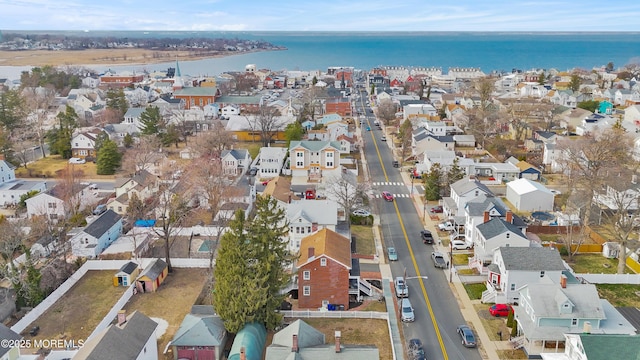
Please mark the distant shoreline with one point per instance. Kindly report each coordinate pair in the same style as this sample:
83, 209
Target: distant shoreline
106, 57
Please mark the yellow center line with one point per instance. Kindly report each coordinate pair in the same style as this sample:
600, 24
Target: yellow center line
414, 262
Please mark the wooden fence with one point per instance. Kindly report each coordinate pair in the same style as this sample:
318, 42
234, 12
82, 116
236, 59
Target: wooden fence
633, 265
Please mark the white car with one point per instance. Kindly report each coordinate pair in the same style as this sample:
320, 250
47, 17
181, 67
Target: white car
460, 245
383, 138
361, 212
555, 192
77, 161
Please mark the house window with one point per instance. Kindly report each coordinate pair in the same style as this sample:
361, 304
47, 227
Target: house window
513, 287
542, 273
508, 235
306, 290
306, 275
574, 322
51, 205
119, 208
323, 262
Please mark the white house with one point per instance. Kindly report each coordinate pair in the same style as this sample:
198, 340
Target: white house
314, 159
493, 234
235, 161
528, 195
11, 189
307, 217
587, 346
463, 191
271, 161
514, 267
56, 203
132, 117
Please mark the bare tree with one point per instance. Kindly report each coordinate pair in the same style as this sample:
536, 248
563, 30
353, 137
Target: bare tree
142, 155
211, 143
345, 190
268, 122
387, 111
484, 88
39, 100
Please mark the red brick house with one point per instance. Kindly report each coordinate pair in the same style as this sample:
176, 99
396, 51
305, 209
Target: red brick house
325, 273
110, 80
199, 96
341, 106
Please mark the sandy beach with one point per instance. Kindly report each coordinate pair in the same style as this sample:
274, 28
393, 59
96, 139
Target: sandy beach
100, 57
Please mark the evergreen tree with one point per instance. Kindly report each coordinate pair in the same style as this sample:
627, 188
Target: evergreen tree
455, 173
151, 121
250, 270
100, 139
12, 110
510, 319
293, 131
116, 100
574, 84
541, 78
127, 141
433, 183
109, 158
60, 139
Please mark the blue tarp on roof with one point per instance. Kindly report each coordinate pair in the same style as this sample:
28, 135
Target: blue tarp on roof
252, 337
144, 223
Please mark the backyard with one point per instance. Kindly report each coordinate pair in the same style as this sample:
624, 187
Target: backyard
78, 312
594, 263
171, 302
48, 168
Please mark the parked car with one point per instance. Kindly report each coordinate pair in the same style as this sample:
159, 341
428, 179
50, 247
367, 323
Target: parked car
555, 192
361, 212
437, 209
402, 290
407, 314
438, 260
253, 171
93, 187
387, 196
416, 351
368, 128
34, 331
446, 226
393, 255
77, 161
460, 245
498, 310
426, 236
467, 336
396, 163
383, 138
100, 209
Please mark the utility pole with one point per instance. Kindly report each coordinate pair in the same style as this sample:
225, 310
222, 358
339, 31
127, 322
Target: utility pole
450, 260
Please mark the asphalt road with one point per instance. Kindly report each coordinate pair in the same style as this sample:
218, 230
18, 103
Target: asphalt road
436, 310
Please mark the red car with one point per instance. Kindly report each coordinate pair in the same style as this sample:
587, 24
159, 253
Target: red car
387, 196
498, 310
438, 209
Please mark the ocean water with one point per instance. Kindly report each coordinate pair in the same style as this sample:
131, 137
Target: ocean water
366, 50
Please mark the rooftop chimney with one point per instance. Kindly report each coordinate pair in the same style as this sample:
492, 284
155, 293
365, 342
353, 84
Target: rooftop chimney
122, 317
338, 334
509, 217
486, 217
294, 343
243, 356
563, 281
312, 252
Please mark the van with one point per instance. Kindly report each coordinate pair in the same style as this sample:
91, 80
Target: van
396, 163
406, 311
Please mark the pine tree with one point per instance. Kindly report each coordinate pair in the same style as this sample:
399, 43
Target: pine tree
109, 158
510, 319
433, 183
151, 121
455, 173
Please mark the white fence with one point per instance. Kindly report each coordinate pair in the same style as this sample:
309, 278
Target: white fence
108, 319
633, 279
35, 313
335, 314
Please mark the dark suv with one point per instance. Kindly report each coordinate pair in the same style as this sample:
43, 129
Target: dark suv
426, 236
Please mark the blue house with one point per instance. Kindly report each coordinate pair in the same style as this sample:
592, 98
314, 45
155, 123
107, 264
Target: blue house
98, 235
605, 107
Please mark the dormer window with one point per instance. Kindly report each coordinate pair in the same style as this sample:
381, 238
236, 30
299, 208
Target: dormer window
542, 273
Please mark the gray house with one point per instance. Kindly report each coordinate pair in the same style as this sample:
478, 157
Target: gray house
98, 235
200, 336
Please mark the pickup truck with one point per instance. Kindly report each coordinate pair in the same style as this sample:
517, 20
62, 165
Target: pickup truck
446, 226
439, 261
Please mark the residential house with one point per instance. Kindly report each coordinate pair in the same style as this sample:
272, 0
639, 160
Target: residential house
152, 276
118, 132
57, 202
279, 188
308, 343
83, 144
588, 346
514, 267
11, 189
199, 96
477, 211
44, 246
550, 156
420, 109
235, 161
572, 118
632, 118
551, 308
595, 122
427, 142
270, 161
497, 173
340, 106
306, 217
9, 352
605, 107
201, 335
126, 275
97, 236
533, 145
143, 184
314, 160
528, 171
493, 234
122, 80
463, 191
132, 337
463, 140
348, 144
132, 117
528, 195
326, 272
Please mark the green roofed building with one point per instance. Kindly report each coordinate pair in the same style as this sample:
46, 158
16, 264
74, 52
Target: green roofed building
251, 339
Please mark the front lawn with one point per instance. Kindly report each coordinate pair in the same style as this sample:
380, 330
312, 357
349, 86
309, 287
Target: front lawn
364, 239
475, 290
460, 259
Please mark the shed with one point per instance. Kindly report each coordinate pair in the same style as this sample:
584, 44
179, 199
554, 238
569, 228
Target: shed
251, 340
610, 250
527, 195
151, 277
200, 336
127, 273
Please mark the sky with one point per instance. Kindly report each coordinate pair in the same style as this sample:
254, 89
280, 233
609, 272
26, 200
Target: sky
321, 15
